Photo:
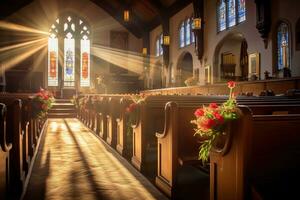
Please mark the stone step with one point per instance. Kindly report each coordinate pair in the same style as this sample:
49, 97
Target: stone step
62, 100
61, 115
62, 110
63, 106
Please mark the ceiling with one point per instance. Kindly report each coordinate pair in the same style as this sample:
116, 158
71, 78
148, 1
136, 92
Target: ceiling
145, 14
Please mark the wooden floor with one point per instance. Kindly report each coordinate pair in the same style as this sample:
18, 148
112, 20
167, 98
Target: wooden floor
72, 163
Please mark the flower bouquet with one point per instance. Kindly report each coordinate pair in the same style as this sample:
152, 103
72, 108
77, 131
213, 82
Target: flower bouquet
132, 111
211, 121
42, 102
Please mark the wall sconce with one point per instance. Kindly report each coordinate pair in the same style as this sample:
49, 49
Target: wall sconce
166, 40
144, 51
126, 15
196, 23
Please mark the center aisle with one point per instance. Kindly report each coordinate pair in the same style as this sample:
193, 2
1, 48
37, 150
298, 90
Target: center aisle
72, 163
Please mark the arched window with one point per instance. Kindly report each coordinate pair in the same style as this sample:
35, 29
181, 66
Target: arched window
230, 13
186, 35
181, 35
161, 43
231, 10
158, 45
70, 29
221, 15
188, 32
283, 46
241, 10
192, 34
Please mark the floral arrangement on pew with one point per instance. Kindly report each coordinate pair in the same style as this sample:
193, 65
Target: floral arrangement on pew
211, 121
42, 102
131, 111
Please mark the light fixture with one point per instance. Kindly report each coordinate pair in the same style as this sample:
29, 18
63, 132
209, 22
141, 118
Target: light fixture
126, 15
144, 51
166, 40
197, 23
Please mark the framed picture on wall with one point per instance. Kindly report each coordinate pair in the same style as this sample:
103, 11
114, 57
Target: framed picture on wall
254, 66
207, 73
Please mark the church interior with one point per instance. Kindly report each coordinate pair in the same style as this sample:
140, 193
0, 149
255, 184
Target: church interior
149, 99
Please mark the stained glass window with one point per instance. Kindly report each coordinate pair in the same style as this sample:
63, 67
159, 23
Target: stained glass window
188, 32
157, 47
231, 10
52, 61
160, 46
181, 35
85, 62
222, 15
283, 46
73, 28
241, 10
192, 34
69, 61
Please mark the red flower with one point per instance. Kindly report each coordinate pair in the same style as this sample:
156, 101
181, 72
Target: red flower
199, 112
213, 105
219, 117
131, 108
208, 124
231, 84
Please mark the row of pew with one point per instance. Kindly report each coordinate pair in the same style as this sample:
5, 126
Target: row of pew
19, 139
257, 157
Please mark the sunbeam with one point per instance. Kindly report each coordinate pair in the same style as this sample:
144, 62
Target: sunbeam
131, 61
12, 58
16, 27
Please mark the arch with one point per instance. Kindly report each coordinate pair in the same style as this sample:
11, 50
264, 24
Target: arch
75, 34
297, 36
184, 67
233, 48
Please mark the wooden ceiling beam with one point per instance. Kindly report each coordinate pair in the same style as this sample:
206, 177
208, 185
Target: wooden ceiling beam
8, 7
168, 12
135, 25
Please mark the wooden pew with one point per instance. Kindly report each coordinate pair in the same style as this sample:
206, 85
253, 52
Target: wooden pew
262, 160
4, 155
151, 115
15, 136
113, 110
29, 127
177, 147
124, 140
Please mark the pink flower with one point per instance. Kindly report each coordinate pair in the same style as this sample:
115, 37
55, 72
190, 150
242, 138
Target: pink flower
213, 105
199, 112
231, 84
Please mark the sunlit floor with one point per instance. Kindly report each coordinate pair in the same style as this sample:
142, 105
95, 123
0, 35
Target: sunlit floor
73, 164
